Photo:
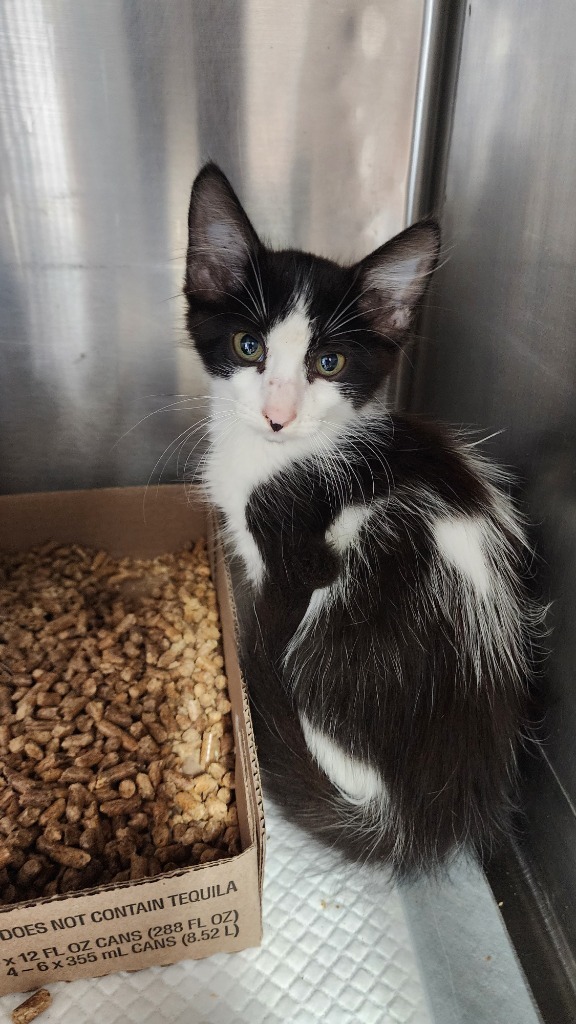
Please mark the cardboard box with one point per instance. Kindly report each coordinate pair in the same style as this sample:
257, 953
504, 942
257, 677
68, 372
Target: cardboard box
187, 913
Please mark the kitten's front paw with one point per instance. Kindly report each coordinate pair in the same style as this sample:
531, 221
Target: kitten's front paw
317, 566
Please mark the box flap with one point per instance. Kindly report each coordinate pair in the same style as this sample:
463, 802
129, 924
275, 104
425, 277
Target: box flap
138, 521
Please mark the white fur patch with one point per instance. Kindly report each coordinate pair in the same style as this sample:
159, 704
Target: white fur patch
321, 597
247, 549
287, 344
344, 532
284, 379
245, 452
355, 779
461, 542
231, 474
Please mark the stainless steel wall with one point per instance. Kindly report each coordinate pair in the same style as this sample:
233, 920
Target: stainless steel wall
500, 345
107, 110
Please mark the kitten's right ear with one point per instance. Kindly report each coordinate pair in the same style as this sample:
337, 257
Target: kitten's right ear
221, 239
394, 278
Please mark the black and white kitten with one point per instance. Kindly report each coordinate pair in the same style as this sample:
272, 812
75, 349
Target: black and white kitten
390, 638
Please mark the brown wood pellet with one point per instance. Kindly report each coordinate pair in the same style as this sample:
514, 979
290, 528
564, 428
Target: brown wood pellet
116, 746
32, 1007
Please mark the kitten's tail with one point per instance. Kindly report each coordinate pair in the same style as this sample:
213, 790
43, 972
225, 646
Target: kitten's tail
305, 794
409, 837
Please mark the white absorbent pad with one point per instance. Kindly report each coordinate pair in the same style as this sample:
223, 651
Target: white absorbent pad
336, 949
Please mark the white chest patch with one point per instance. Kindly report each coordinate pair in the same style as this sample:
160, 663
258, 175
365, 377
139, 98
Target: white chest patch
461, 543
232, 500
247, 549
355, 779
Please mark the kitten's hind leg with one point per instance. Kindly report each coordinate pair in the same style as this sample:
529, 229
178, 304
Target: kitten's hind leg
356, 780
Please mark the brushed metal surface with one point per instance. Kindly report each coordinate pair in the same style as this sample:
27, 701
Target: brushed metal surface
439, 49
500, 352
107, 110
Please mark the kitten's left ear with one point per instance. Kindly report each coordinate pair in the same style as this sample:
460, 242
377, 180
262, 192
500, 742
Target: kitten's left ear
221, 239
393, 279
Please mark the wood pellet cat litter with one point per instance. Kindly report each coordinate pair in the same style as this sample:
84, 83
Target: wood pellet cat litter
116, 746
32, 1007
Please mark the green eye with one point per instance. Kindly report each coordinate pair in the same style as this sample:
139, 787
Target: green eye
247, 348
331, 364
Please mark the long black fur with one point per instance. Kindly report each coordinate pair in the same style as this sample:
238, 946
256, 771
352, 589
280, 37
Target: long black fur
388, 672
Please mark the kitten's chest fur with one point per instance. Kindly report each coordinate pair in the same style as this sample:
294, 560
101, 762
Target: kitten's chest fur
238, 465
230, 477
241, 467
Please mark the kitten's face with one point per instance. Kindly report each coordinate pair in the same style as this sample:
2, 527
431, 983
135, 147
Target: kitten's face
295, 345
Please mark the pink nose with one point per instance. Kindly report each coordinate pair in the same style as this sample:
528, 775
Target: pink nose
277, 421
280, 407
